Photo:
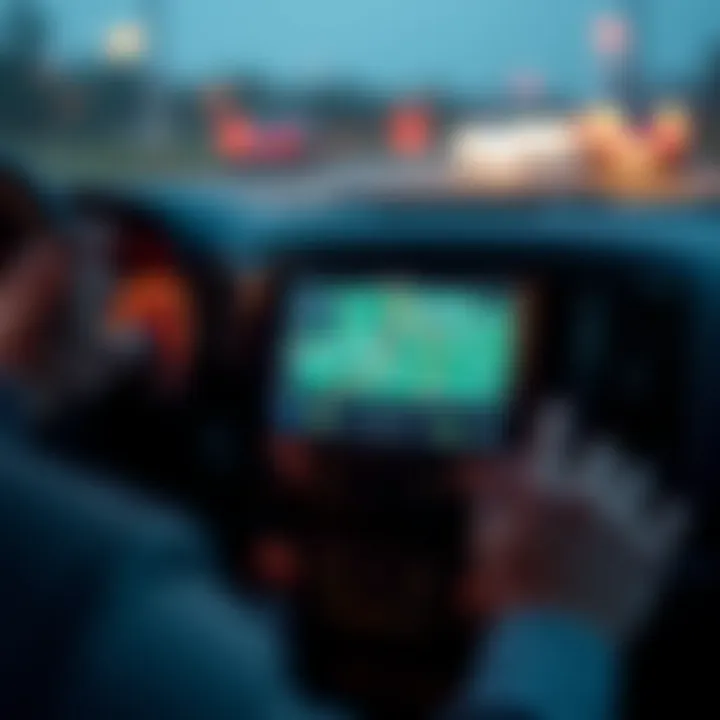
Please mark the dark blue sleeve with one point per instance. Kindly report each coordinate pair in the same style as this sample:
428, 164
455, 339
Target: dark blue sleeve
111, 608
183, 649
542, 665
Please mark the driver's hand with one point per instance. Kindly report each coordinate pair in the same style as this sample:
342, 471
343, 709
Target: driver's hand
583, 532
31, 289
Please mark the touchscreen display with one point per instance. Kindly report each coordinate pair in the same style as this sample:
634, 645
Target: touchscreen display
390, 362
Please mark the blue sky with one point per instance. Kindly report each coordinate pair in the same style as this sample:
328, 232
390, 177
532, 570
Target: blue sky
465, 43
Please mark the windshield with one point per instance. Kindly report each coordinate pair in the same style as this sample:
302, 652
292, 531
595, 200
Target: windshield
151, 88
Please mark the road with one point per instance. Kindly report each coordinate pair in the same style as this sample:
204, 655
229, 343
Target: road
323, 182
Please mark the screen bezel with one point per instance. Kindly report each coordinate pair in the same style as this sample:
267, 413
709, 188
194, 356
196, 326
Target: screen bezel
527, 365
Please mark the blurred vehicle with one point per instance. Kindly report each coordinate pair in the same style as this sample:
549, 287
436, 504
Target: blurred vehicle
241, 141
517, 151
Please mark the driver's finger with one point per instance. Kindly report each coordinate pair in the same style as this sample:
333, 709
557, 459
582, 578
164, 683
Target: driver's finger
665, 529
636, 484
550, 446
597, 476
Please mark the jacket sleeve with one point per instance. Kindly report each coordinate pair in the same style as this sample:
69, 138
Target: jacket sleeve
112, 608
184, 650
541, 665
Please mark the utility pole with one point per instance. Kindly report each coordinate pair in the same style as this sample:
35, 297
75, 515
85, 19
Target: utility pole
621, 43
151, 14
156, 118
636, 87
27, 31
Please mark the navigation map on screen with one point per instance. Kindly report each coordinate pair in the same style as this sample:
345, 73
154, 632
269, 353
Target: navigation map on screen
372, 357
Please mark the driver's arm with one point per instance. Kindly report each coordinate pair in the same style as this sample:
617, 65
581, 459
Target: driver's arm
179, 646
111, 609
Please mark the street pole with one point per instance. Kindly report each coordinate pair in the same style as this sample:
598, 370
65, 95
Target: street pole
636, 88
151, 12
156, 121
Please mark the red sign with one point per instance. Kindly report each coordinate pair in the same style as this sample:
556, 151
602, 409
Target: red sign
234, 137
409, 132
611, 35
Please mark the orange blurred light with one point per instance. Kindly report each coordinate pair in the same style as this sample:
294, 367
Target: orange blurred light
613, 146
234, 137
161, 305
409, 131
672, 135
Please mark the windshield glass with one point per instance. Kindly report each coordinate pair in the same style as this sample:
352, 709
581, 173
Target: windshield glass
499, 91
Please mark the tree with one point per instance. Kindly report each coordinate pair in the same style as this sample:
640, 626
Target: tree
22, 100
709, 103
711, 81
27, 30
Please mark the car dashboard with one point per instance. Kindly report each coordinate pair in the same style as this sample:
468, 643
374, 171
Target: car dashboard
354, 363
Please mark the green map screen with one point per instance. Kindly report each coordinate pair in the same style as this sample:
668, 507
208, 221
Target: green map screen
399, 362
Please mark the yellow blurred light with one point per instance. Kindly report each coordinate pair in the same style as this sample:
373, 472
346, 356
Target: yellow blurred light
126, 42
